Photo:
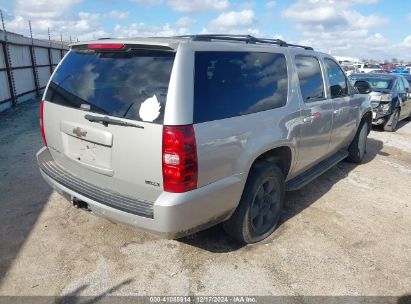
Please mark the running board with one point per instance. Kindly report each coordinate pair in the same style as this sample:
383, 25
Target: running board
299, 181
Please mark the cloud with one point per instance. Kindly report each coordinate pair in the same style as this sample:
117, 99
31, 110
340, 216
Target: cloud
193, 6
406, 42
356, 20
143, 30
232, 21
185, 21
119, 15
338, 28
45, 9
271, 4
53, 15
84, 26
148, 3
278, 36
330, 14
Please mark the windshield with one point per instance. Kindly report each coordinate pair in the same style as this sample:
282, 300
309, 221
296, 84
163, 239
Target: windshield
131, 84
376, 83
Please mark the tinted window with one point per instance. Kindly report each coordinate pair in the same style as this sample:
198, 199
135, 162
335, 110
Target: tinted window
229, 84
114, 83
336, 77
310, 78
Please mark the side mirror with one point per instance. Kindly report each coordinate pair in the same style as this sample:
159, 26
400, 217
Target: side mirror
336, 91
363, 87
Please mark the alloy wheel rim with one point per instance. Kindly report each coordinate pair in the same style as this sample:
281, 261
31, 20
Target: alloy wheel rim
265, 207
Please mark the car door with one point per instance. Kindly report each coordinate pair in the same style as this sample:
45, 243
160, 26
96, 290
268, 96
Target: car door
404, 93
408, 90
316, 113
344, 111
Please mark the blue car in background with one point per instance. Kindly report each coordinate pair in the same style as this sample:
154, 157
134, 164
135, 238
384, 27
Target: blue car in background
400, 72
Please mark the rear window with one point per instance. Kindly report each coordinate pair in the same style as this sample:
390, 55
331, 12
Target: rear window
131, 84
375, 83
229, 84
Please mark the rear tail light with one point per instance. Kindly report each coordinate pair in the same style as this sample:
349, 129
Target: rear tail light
180, 166
105, 46
42, 122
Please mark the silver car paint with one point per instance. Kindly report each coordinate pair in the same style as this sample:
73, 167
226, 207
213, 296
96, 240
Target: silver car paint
226, 148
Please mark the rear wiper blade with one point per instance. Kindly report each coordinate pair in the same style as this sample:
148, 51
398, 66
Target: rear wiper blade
105, 121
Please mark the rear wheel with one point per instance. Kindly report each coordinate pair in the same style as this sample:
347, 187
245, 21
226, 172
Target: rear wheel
259, 210
392, 122
358, 147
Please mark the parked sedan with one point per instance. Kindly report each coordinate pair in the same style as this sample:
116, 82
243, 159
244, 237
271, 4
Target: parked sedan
390, 98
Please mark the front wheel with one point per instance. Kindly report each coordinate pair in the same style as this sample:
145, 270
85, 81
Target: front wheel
358, 147
392, 122
259, 210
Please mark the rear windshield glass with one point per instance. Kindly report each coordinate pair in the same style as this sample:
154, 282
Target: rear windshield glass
130, 84
229, 84
376, 83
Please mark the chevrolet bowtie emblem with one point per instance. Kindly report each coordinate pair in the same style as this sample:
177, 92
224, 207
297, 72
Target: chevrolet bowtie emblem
79, 132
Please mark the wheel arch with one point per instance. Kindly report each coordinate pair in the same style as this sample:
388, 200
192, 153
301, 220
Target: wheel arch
282, 156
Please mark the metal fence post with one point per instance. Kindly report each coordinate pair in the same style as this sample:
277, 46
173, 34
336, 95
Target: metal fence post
50, 53
7, 61
61, 50
33, 63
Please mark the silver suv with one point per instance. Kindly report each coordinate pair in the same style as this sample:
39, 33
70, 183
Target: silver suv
174, 135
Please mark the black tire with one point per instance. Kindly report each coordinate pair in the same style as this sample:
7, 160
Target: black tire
358, 146
391, 124
259, 210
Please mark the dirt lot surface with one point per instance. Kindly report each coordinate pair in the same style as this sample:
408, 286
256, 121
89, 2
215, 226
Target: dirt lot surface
346, 233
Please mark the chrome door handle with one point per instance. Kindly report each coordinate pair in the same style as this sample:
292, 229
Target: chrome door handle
337, 112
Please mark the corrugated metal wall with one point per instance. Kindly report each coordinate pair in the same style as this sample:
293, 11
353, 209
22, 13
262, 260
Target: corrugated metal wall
42, 56
44, 75
19, 55
4, 86
2, 63
4, 89
22, 70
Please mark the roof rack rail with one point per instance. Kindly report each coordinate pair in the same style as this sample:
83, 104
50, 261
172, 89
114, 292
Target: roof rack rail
242, 38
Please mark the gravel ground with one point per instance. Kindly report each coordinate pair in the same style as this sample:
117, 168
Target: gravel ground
346, 233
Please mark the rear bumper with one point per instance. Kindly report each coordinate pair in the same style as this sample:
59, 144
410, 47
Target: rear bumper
172, 215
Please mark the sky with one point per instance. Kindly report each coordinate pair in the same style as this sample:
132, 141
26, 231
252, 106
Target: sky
364, 29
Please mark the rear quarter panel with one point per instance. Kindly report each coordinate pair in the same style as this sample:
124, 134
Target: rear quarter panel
229, 146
